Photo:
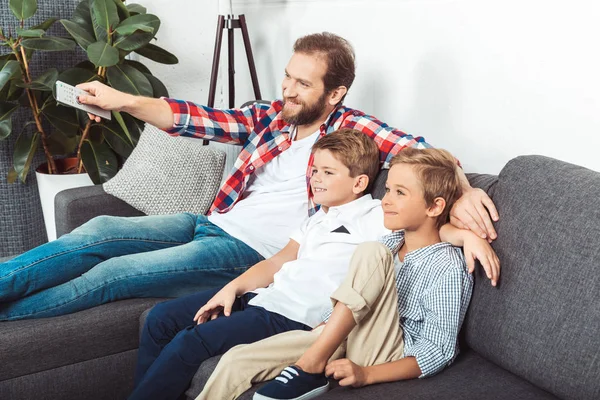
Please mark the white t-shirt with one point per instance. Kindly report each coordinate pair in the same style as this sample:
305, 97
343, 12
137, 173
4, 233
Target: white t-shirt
275, 201
301, 288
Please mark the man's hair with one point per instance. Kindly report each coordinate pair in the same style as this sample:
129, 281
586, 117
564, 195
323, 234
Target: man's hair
357, 151
338, 54
437, 171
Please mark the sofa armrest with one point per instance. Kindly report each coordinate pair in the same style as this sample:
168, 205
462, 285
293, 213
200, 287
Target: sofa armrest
73, 207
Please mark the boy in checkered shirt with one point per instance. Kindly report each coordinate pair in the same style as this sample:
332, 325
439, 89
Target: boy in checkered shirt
398, 312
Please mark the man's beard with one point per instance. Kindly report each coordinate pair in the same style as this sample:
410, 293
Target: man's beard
307, 114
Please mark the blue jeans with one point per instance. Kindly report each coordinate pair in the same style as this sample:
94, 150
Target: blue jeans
113, 258
173, 346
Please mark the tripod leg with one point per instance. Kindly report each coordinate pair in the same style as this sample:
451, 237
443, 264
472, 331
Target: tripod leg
248, 47
215, 65
231, 67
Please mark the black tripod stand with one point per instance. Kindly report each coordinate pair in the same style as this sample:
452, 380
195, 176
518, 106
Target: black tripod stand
230, 24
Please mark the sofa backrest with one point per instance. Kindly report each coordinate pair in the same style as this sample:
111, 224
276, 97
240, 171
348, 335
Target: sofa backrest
543, 320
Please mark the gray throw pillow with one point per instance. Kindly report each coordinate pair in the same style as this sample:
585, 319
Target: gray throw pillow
168, 175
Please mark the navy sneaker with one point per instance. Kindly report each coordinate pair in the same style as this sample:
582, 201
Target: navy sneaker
293, 384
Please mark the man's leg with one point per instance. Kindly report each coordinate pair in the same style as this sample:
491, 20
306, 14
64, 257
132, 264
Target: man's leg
96, 241
211, 259
181, 351
246, 364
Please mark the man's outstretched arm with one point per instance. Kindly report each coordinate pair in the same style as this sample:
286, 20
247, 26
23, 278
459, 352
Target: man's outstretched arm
156, 112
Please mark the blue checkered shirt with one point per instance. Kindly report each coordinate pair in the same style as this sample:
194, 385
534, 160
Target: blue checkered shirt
434, 290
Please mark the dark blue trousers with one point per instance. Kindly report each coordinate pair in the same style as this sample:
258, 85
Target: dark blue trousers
173, 346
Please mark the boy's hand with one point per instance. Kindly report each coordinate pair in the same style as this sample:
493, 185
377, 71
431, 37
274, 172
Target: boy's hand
348, 373
472, 211
476, 248
222, 301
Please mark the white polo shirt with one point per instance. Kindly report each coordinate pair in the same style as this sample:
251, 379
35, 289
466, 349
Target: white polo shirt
301, 288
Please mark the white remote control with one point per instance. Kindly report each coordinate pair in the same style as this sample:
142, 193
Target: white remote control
68, 95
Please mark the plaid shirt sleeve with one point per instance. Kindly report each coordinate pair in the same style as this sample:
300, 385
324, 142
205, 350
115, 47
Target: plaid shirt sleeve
436, 346
389, 140
226, 126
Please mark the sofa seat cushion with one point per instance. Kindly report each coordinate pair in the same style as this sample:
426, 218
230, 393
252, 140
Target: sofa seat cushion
30, 346
470, 377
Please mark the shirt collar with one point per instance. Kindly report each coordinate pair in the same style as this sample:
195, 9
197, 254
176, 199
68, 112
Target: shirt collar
415, 255
352, 210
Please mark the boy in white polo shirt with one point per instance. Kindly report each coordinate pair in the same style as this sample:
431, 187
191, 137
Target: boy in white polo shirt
289, 291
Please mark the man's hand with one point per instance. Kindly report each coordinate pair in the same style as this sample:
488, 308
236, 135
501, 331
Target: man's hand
476, 248
104, 97
348, 373
472, 211
222, 301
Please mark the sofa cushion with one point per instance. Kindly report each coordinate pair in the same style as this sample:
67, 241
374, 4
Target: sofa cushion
184, 177
543, 320
36, 345
470, 377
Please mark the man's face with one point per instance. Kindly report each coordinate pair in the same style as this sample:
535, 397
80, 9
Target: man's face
403, 205
330, 181
303, 90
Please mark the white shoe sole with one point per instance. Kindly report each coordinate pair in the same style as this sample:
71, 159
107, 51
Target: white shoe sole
310, 395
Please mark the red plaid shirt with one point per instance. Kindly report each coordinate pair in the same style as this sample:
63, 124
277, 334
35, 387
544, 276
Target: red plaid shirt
263, 133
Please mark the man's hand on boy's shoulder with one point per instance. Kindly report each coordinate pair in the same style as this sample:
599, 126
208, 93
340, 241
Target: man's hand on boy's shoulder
222, 301
473, 211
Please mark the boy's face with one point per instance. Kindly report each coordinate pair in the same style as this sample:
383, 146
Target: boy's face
331, 182
403, 205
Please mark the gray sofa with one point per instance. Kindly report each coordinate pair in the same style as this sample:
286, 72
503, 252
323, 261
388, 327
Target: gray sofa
536, 336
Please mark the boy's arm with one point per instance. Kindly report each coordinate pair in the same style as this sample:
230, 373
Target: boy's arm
259, 275
474, 248
351, 374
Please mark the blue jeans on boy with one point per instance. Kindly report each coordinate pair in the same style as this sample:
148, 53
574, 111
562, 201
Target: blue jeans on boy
173, 346
113, 258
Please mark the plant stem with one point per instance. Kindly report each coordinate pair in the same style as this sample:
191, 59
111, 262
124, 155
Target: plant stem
34, 107
101, 72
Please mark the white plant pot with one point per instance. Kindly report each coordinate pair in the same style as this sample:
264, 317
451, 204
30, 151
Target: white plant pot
49, 186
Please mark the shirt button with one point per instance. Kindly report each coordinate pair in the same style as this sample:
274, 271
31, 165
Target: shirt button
280, 148
251, 167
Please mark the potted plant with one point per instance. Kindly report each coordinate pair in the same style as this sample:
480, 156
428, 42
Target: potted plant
107, 31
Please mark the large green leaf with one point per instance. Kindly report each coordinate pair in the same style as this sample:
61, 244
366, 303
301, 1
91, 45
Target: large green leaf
127, 79
157, 54
46, 24
136, 31
122, 10
82, 16
30, 33
123, 125
10, 70
44, 82
23, 9
117, 139
49, 44
99, 160
158, 88
102, 54
136, 8
62, 118
80, 34
60, 144
11, 91
104, 17
139, 66
6, 110
25, 148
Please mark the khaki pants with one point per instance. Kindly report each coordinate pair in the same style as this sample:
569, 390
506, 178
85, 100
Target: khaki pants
368, 290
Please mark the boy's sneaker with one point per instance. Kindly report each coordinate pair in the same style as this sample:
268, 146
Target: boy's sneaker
293, 384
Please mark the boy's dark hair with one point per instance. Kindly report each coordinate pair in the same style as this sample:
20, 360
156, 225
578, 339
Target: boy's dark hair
338, 54
437, 171
357, 151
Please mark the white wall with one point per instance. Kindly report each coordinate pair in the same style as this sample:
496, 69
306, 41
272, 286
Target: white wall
487, 80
